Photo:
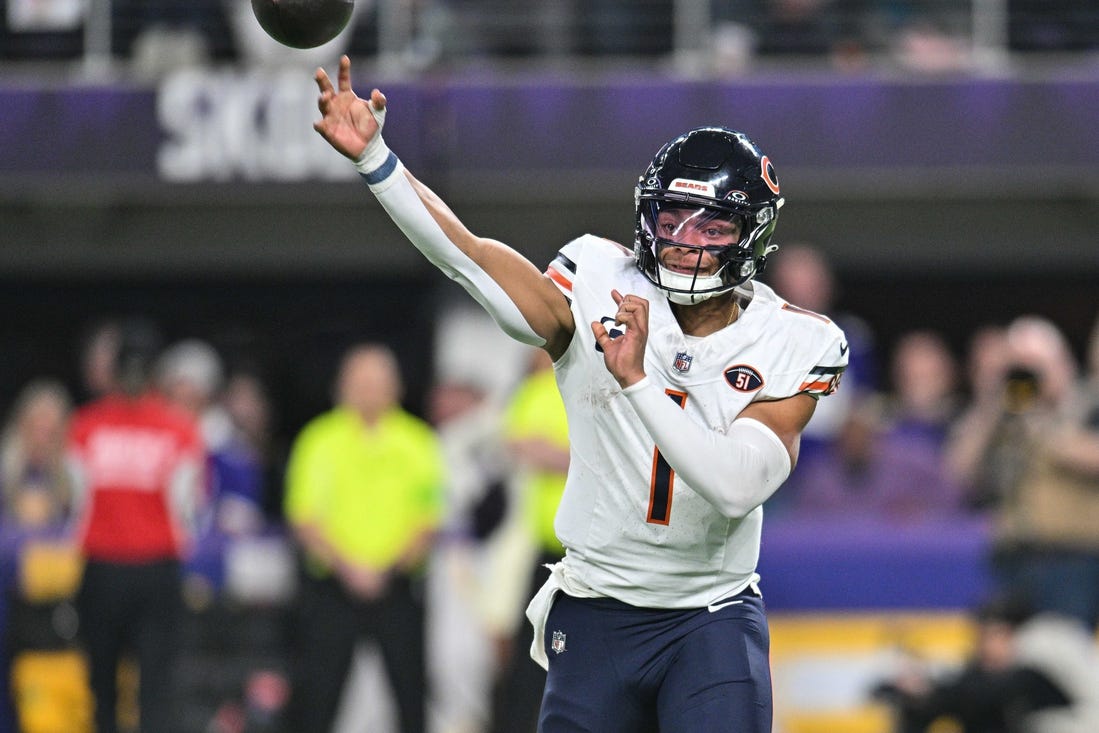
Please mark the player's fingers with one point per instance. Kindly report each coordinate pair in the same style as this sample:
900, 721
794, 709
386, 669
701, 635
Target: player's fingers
635, 306
323, 82
377, 100
626, 315
630, 303
600, 332
617, 297
344, 77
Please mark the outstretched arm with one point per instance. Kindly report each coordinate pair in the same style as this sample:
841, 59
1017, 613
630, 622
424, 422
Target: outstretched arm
526, 304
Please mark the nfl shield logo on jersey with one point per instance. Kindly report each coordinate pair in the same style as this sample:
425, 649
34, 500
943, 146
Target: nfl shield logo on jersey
558, 642
682, 361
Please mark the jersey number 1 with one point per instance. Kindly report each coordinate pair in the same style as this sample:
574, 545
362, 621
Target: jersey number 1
660, 485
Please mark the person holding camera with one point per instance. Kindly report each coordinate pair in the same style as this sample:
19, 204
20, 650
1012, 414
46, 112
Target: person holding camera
1027, 672
1025, 449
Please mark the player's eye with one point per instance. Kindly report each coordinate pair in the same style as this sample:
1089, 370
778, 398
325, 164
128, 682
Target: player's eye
719, 232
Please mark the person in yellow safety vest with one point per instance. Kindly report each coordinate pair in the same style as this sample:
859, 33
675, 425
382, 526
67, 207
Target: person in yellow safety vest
364, 499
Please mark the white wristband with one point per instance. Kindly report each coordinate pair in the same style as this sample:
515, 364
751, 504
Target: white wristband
373, 157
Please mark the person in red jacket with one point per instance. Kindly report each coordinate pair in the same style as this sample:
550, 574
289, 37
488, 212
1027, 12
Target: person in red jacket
138, 465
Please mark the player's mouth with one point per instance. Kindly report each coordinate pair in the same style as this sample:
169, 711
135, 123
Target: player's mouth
686, 268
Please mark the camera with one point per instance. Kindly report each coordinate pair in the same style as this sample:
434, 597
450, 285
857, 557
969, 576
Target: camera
1021, 388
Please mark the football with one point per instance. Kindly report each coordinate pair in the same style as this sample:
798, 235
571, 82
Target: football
303, 23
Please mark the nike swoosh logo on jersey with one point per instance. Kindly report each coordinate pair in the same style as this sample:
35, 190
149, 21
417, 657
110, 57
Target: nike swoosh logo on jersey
715, 607
843, 348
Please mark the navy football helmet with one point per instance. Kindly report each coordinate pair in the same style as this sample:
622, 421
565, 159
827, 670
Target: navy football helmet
720, 183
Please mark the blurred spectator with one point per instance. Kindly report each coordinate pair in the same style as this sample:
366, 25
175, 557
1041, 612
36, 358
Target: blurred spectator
1083, 449
804, 28
888, 460
930, 36
625, 27
253, 414
160, 35
1042, 26
34, 477
460, 652
191, 375
467, 603
537, 434
40, 569
797, 27
927, 47
42, 29
480, 28
98, 357
803, 276
249, 408
1018, 375
238, 572
499, 28
985, 465
1028, 674
925, 388
1029, 457
364, 498
986, 364
157, 35
139, 462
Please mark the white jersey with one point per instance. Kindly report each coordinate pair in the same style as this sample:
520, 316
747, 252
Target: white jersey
632, 529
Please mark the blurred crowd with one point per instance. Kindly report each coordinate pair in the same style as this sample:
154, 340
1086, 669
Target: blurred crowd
1007, 432
163, 561
159, 553
164, 565
924, 35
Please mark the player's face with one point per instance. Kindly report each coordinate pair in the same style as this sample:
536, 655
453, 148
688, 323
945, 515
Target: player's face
704, 235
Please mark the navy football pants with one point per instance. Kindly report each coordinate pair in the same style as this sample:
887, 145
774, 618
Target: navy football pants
615, 668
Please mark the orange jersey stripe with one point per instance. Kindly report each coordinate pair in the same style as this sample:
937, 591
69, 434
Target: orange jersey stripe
560, 279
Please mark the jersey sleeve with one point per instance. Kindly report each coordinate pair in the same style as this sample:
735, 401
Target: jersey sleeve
813, 355
563, 269
823, 378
